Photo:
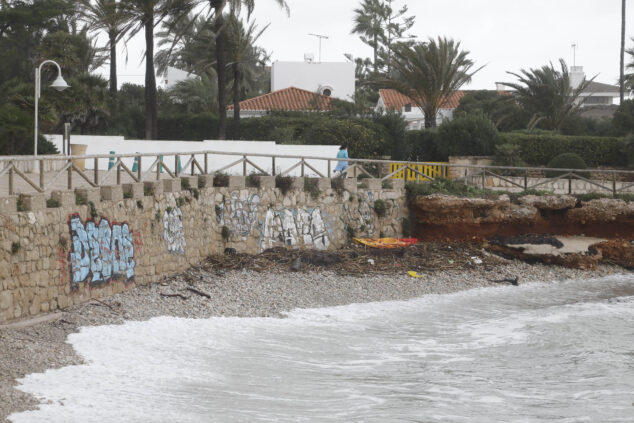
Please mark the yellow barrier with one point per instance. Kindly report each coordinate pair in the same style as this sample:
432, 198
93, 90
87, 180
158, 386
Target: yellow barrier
433, 170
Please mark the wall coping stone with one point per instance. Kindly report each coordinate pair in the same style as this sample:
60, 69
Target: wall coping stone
112, 193
267, 181
172, 185
33, 202
9, 204
89, 194
237, 181
205, 181
65, 198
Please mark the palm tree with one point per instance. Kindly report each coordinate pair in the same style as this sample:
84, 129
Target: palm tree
429, 73
107, 16
146, 14
243, 58
218, 7
622, 68
547, 94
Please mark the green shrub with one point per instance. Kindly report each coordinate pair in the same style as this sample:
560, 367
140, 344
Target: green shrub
225, 232
628, 151
148, 191
537, 149
284, 183
52, 204
337, 185
311, 186
508, 155
422, 146
623, 119
15, 247
79, 200
467, 135
566, 161
253, 180
362, 141
221, 179
127, 194
380, 208
184, 183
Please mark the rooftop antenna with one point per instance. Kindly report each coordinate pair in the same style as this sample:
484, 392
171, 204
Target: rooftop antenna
321, 37
574, 53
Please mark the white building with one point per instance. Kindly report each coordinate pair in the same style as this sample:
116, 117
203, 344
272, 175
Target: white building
414, 116
596, 94
172, 77
332, 79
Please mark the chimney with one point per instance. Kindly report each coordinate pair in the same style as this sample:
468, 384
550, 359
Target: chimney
577, 75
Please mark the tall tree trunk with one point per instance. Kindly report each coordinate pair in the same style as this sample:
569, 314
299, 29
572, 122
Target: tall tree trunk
430, 118
622, 75
221, 72
376, 47
151, 127
113, 64
236, 101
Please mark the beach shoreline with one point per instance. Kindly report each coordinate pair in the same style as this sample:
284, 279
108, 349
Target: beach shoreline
201, 293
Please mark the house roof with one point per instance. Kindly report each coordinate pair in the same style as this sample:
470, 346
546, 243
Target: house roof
396, 100
598, 87
289, 99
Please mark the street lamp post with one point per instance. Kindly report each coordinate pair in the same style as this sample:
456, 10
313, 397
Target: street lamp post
59, 84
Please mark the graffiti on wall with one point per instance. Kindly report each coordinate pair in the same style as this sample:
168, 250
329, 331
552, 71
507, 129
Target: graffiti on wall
100, 252
303, 226
173, 233
239, 213
360, 216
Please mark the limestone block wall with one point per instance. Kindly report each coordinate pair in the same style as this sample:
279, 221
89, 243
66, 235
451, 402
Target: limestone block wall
51, 258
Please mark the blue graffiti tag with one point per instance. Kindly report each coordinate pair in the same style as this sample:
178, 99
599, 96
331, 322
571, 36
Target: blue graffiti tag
100, 252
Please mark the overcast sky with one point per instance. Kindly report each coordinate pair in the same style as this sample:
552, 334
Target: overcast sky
504, 35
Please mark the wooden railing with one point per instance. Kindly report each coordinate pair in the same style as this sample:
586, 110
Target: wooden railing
176, 164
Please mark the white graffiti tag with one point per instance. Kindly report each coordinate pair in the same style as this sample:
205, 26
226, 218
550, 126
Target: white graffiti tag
100, 252
240, 214
292, 227
173, 233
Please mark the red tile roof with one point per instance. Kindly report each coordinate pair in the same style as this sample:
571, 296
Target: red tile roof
289, 99
396, 101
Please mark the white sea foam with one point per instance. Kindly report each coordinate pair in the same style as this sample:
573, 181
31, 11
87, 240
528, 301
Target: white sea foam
549, 351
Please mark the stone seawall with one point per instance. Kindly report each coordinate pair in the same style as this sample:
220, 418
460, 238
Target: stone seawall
92, 243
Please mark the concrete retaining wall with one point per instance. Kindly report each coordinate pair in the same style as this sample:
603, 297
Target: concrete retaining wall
51, 258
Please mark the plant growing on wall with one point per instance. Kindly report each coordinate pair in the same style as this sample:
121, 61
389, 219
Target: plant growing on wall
284, 183
380, 208
225, 232
311, 186
221, 179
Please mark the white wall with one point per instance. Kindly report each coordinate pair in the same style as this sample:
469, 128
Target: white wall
106, 144
339, 76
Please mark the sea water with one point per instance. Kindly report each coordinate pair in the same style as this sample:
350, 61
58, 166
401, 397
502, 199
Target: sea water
544, 352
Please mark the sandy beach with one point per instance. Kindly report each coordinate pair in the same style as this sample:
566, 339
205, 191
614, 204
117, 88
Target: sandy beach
201, 293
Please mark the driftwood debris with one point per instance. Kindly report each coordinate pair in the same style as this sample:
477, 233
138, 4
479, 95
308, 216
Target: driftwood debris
174, 295
507, 280
198, 291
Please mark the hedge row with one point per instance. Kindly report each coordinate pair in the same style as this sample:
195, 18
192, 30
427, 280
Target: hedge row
364, 137
538, 150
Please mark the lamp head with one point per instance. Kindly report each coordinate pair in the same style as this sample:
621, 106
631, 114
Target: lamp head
59, 84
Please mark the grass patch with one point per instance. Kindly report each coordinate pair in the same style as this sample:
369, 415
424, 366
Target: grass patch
127, 195
311, 186
337, 185
148, 191
52, 204
185, 184
284, 183
80, 200
447, 187
387, 184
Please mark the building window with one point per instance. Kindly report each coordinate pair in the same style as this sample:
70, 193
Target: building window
408, 107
